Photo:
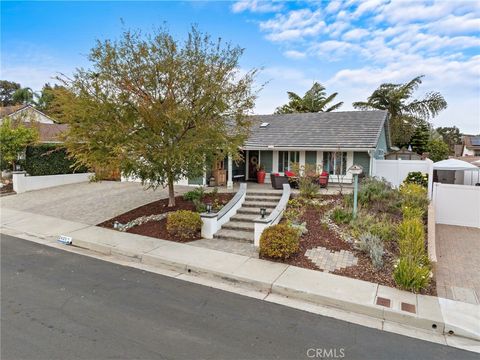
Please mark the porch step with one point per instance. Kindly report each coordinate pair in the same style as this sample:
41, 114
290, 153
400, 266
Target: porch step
239, 225
244, 217
259, 205
235, 235
271, 193
252, 210
261, 198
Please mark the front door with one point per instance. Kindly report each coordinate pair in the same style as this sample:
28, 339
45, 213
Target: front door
252, 164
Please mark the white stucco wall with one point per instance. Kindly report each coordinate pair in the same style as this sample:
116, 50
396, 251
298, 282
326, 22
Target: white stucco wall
23, 183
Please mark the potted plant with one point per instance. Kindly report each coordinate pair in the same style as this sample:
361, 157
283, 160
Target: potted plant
261, 174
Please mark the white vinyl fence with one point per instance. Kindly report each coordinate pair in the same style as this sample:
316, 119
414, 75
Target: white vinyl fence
457, 204
395, 171
23, 183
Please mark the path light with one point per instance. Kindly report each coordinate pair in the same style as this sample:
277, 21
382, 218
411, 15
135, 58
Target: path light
263, 212
209, 208
355, 170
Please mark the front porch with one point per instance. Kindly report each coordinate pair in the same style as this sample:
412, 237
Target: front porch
332, 189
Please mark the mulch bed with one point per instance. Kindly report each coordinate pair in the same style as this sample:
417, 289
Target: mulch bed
158, 229
7, 189
320, 234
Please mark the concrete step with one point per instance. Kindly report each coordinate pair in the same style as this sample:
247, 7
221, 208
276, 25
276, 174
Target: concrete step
273, 193
245, 217
260, 198
239, 225
235, 235
258, 204
252, 210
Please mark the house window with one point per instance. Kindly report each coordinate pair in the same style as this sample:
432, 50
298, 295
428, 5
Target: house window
335, 163
286, 158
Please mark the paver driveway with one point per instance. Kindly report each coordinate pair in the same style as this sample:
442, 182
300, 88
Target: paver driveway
458, 263
89, 203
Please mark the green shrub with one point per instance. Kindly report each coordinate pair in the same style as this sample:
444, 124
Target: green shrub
279, 241
372, 190
49, 159
293, 214
308, 188
417, 177
184, 224
409, 212
382, 227
414, 195
200, 206
294, 203
197, 193
341, 215
411, 239
373, 246
411, 275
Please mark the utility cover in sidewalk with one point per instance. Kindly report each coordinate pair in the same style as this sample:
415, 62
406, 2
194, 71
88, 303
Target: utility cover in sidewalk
331, 260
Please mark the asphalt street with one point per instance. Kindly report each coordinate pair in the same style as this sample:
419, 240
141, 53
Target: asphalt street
59, 305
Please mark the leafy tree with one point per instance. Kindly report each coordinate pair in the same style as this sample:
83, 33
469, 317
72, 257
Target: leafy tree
14, 138
24, 96
7, 89
46, 100
157, 108
314, 100
420, 138
437, 150
405, 113
451, 135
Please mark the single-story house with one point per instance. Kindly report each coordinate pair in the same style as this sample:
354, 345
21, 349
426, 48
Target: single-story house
331, 141
48, 131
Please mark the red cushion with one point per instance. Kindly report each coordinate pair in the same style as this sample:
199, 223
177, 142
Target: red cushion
276, 174
324, 173
289, 173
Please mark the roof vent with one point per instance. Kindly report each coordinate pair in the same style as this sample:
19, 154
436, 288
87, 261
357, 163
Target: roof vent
264, 124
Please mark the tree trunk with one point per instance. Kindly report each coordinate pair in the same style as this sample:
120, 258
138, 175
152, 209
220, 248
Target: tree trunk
171, 193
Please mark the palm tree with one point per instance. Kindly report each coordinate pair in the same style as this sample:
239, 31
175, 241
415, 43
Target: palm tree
405, 114
314, 100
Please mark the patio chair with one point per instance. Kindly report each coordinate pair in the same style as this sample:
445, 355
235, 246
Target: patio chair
278, 181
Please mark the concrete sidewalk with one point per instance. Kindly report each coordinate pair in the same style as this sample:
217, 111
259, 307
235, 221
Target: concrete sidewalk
273, 281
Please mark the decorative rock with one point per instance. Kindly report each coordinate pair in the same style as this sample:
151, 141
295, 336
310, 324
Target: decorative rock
139, 221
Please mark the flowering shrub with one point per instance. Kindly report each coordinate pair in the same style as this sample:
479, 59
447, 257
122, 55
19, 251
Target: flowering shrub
417, 177
414, 195
184, 223
410, 275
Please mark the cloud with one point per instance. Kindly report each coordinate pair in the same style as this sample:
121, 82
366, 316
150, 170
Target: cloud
296, 24
256, 6
294, 54
374, 41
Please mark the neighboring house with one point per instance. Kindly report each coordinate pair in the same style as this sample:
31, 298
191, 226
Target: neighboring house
331, 141
471, 145
402, 154
48, 130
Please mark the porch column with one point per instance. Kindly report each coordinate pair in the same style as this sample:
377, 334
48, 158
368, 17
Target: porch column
229, 172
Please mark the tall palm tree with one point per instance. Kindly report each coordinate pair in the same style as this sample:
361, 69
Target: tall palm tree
314, 100
406, 114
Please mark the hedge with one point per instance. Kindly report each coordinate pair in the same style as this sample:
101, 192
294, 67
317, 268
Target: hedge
49, 159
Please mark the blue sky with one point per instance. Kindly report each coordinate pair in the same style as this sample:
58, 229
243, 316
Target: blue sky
349, 46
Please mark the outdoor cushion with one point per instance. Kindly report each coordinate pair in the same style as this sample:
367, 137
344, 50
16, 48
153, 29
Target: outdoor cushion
289, 173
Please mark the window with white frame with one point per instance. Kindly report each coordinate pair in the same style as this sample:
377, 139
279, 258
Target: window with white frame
335, 162
286, 158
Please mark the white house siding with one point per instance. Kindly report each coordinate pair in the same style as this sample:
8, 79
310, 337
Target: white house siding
29, 114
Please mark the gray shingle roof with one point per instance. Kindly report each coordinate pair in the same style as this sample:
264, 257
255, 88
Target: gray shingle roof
344, 129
